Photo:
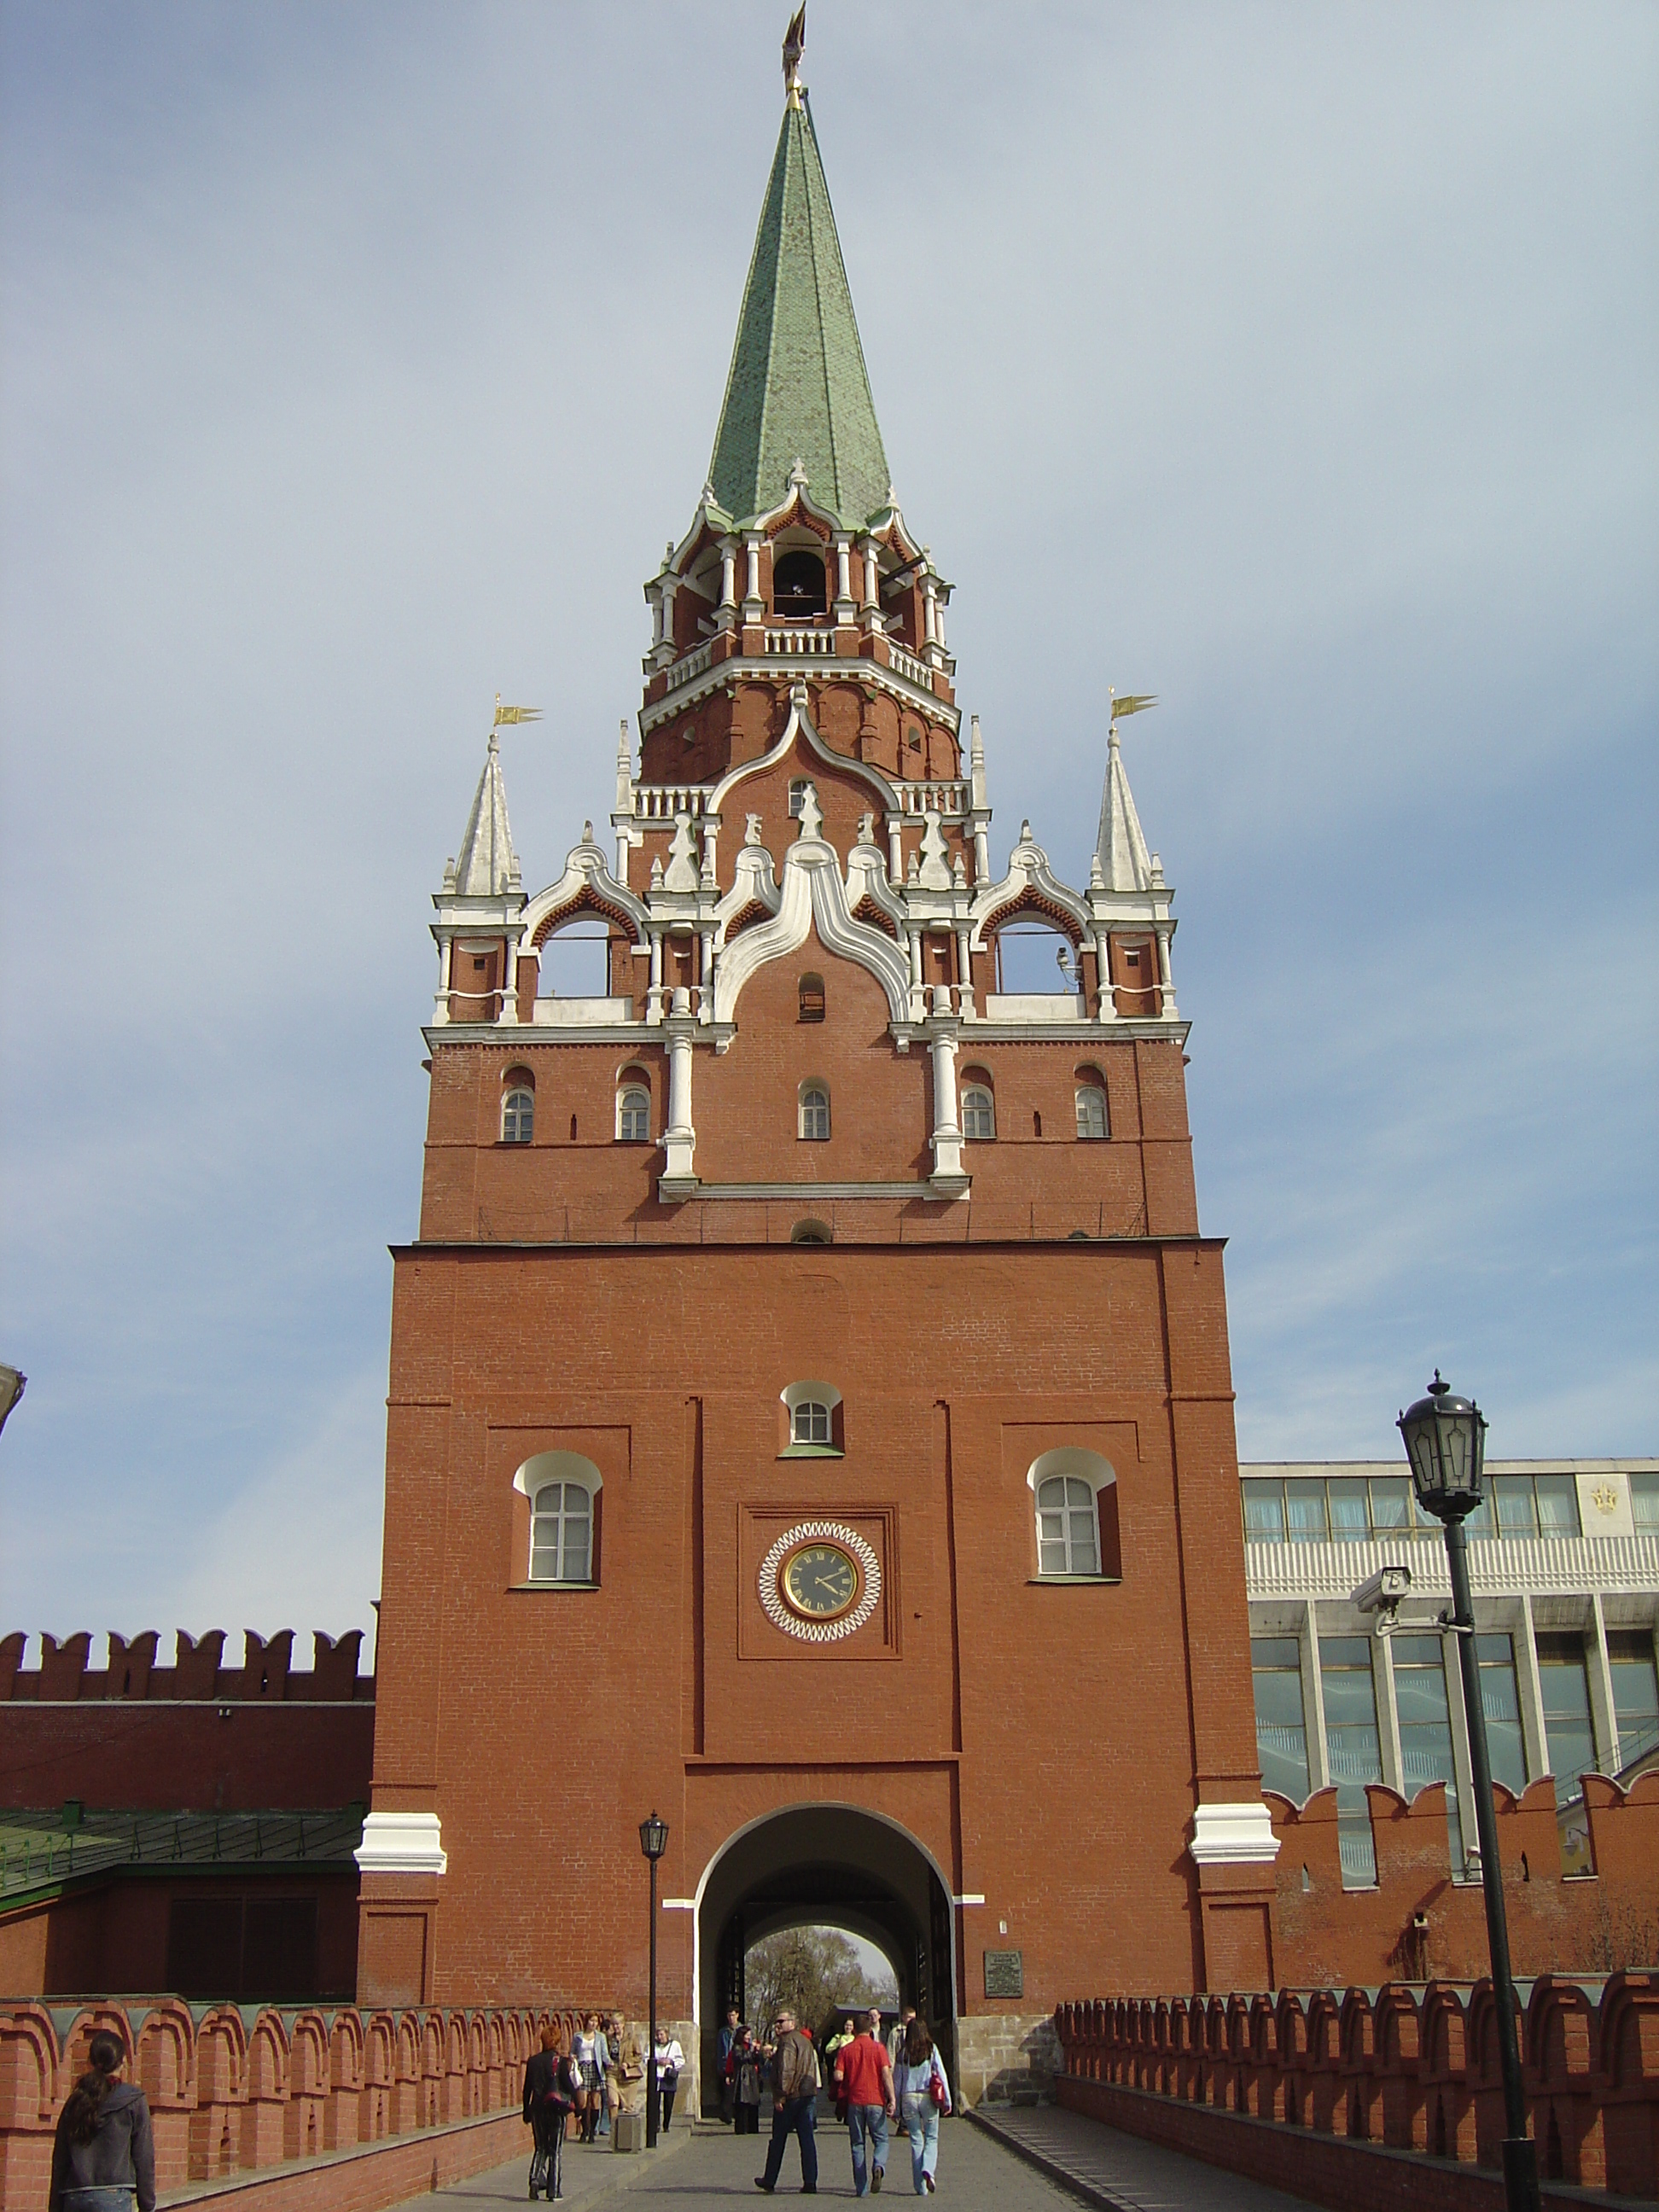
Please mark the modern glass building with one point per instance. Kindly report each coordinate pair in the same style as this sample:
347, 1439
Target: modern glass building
1565, 1562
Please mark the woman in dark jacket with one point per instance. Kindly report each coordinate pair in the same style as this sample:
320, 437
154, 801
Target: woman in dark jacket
550, 2097
105, 2152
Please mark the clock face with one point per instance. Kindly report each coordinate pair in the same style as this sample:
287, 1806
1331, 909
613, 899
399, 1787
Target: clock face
820, 1580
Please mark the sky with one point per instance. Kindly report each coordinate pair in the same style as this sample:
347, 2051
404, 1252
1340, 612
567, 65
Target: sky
1296, 364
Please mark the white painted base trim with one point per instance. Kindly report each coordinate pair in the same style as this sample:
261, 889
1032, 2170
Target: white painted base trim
1233, 1835
402, 1842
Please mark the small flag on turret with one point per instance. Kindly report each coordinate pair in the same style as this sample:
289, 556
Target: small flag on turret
514, 714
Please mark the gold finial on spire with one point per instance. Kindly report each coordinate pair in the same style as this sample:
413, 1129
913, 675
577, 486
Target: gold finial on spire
794, 39
513, 714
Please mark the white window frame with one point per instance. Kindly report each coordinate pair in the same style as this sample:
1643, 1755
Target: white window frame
823, 1396
1091, 1091
511, 1104
813, 1088
971, 1093
627, 1093
1071, 1464
565, 1471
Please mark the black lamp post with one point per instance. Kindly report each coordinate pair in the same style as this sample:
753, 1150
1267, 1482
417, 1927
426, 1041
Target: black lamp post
653, 1842
1445, 1439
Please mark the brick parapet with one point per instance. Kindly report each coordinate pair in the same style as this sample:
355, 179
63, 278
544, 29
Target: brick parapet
1410, 2068
267, 1675
235, 2091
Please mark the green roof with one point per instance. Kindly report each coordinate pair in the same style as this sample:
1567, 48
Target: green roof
799, 388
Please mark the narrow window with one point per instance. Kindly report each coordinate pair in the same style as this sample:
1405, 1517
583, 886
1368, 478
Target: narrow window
1068, 1536
796, 796
1635, 1692
815, 1114
634, 1115
1281, 1733
561, 1533
811, 998
1426, 1743
1500, 1701
1091, 1110
979, 1115
1568, 1733
518, 1117
1355, 1750
811, 1423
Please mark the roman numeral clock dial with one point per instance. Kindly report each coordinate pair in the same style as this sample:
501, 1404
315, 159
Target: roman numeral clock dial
820, 1580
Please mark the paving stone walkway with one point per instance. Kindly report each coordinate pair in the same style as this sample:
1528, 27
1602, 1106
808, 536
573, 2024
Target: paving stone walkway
1121, 2172
1025, 2159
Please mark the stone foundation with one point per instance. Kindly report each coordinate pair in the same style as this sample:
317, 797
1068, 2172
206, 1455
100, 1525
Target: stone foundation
1007, 2058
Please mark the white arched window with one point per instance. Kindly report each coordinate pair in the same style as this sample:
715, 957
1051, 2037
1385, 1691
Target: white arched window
1091, 1110
813, 1412
1068, 1539
979, 1114
815, 1112
563, 1490
634, 1113
518, 1116
1075, 1535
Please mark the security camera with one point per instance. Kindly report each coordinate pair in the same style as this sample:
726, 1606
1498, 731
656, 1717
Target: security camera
1381, 1594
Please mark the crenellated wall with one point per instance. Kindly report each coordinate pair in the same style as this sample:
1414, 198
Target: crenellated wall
197, 1736
1406, 2069
240, 2090
1417, 1924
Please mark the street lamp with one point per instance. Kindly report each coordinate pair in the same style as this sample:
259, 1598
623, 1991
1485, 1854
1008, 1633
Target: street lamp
653, 1842
1445, 1439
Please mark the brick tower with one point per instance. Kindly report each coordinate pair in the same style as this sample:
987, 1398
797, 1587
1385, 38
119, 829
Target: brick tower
810, 1410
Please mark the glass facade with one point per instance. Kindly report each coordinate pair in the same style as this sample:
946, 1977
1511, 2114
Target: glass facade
1500, 1700
1635, 1692
1282, 1731
1644, 1503
1381, 1509
1564, 1681
1355, 1749
1424, 1711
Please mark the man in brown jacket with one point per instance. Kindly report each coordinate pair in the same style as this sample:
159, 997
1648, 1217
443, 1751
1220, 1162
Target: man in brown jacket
794, 2105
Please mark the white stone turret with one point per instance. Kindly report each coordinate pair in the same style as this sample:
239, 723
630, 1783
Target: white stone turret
487, 867
1119, 847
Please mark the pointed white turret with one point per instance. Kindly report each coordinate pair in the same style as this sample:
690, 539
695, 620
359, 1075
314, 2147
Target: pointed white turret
487, 867
1120, 848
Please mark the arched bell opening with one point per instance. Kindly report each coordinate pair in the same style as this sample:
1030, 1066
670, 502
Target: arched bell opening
832, 1865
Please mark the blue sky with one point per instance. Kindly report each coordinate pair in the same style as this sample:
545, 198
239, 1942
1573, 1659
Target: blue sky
1296, 364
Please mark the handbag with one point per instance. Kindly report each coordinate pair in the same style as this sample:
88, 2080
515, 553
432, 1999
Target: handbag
937, 2090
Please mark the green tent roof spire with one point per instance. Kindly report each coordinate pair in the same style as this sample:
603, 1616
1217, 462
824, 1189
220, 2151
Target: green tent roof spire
797, 387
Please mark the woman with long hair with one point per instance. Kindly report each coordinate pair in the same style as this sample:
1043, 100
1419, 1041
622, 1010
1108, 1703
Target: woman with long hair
924, 2097
104, 2154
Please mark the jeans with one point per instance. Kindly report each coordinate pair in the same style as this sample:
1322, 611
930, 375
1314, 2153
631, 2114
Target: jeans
921, 2117
796, 2116
100, 2196
866, 2123
666, 2085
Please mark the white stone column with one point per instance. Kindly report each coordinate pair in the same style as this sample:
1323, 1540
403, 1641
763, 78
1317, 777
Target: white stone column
706, 974
895, 848
1165, 980
711, 830
929, 611
445, 955
752, 609
729, 577
665, 647
680, 1138
654, 997
1108, 996
947, 1135
844, 574
654, 592
509, 1010
965, 970
871, 576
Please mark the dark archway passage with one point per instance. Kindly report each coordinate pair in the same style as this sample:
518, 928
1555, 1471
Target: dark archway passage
825, 1862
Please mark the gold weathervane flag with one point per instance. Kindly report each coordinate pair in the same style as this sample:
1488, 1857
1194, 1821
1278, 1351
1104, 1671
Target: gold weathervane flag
1132, 703
513, 714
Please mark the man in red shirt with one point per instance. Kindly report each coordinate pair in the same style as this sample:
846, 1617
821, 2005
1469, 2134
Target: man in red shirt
864, 2077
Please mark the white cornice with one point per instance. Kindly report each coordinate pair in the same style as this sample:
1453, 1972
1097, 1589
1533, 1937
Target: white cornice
793, 668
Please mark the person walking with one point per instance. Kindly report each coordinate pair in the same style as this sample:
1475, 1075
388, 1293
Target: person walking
897, 2033
609, 2043
104, 2154
864, 2081
724, 2041
795, 2079
670, 2063
923, 2098
745, 2067
549, 2098
585, 2050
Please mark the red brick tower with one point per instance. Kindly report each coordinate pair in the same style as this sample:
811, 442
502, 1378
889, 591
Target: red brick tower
810, 1410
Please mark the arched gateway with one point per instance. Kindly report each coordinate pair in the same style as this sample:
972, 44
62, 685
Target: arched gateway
811, 1422
823, 1862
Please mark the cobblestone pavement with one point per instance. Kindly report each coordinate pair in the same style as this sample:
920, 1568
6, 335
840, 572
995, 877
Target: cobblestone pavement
977, 2169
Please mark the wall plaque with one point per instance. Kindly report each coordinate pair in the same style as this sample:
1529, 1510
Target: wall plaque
1005, 1973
